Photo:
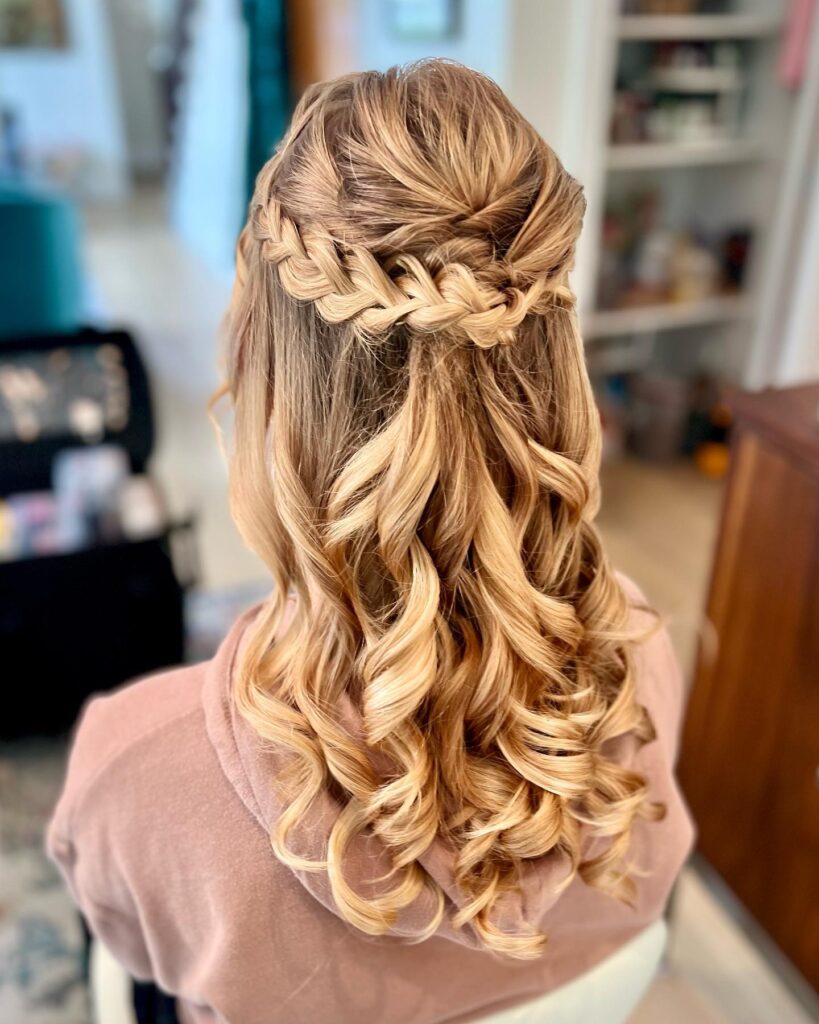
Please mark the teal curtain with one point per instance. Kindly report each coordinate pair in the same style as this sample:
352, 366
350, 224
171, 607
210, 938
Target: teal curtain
269, 81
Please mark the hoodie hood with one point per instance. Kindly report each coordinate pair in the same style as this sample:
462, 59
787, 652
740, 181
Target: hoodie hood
252, 770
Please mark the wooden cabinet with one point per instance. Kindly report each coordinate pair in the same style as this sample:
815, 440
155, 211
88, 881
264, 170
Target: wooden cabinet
750, 758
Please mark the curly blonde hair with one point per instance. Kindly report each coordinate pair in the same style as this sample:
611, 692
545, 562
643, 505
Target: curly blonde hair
416, 458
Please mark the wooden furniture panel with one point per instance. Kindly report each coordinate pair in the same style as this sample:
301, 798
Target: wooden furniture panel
751, 742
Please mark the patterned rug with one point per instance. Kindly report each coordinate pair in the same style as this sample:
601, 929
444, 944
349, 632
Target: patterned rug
41, 942
41, 977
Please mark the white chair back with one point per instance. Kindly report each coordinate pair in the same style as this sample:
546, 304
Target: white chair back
111, 988
607, 994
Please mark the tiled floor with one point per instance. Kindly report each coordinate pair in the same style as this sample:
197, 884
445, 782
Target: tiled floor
659, 523
712, 973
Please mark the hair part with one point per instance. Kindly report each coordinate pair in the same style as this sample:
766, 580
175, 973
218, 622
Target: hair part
416, 457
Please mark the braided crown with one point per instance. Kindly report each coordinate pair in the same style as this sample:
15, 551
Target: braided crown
347, 283
389, 202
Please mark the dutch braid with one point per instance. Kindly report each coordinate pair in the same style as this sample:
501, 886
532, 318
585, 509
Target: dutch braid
348, 284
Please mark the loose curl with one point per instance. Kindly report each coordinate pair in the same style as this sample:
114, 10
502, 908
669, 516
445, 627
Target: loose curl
416, 458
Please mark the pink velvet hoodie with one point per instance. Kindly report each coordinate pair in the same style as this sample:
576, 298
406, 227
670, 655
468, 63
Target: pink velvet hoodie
162, 836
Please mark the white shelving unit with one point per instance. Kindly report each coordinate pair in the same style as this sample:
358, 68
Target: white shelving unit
557, 60
695, 80
718, 183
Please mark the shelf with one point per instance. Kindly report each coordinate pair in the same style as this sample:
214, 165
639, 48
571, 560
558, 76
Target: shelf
694, 81
698, 26
606, 323
624, 355
639, 155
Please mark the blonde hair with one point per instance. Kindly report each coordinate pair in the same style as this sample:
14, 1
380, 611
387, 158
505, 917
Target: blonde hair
416, 457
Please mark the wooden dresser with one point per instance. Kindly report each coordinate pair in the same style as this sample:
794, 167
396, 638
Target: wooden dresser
750, 757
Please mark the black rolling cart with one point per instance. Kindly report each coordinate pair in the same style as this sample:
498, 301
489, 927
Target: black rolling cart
87, 619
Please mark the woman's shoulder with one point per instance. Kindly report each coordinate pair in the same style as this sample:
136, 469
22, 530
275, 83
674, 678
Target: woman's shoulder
145, 812
145, 742
137, 729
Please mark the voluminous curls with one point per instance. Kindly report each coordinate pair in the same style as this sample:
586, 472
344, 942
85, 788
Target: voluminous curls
416, 458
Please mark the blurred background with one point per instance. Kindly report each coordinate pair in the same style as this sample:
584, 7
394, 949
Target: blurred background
130, 135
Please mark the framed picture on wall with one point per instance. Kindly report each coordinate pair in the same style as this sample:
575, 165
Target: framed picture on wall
423, 19
32, 25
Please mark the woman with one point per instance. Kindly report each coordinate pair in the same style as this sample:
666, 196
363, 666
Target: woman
431, 777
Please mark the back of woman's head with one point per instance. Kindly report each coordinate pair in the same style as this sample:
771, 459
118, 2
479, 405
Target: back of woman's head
416, 457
